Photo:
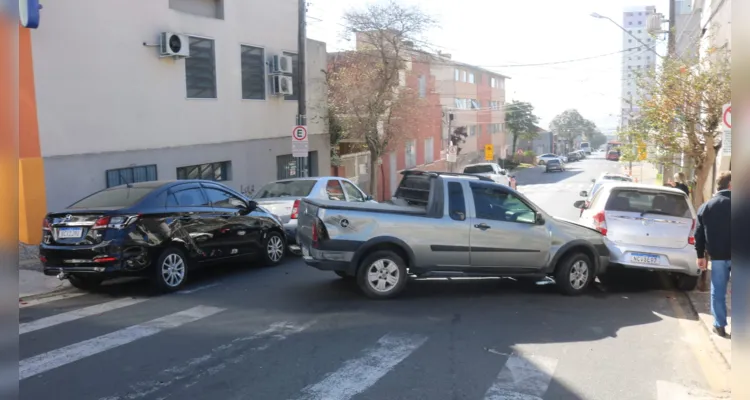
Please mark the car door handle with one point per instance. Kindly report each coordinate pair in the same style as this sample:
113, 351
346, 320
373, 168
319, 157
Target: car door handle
482, 226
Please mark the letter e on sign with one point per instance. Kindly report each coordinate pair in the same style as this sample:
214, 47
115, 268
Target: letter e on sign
300, 143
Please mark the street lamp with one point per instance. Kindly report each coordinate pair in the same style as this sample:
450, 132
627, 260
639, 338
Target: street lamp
599, 16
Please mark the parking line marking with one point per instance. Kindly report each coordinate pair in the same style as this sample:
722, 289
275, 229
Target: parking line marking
522, 378
358, 374
66, 355
76, 314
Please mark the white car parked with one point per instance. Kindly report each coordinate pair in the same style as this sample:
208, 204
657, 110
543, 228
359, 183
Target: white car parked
541, 160
490, 170
646, 227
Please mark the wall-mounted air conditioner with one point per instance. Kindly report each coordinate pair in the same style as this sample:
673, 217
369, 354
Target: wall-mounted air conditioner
281, 65
174, 45
282, 85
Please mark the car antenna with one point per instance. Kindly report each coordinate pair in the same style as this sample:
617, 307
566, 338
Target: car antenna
127, 183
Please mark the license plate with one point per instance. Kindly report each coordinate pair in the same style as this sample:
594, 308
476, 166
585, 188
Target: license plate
650, 259
69, 233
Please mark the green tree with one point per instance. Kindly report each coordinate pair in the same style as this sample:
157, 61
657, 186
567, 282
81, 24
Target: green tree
681, 113
521, 121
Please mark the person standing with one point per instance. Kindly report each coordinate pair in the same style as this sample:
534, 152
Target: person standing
713, 237
680, 183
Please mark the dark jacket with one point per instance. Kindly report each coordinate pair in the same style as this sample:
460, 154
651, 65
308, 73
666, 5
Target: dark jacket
713, 233
683, 187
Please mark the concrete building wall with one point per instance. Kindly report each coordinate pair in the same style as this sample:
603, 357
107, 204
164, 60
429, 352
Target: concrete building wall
106, 99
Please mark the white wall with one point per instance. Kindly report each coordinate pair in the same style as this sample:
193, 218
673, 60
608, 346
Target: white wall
99, 89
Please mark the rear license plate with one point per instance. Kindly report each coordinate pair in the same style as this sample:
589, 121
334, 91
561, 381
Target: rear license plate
69, 233
650, 259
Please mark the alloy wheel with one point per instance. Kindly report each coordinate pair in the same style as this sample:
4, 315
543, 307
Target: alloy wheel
383, 275
173, 270
579, 275
275, 248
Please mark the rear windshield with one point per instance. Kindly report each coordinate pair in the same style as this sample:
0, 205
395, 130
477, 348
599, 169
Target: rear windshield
641, 201
553, 161
414, 188
117, 197
478, 169
299, 188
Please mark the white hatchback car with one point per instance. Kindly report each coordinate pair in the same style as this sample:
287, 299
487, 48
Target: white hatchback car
646, 227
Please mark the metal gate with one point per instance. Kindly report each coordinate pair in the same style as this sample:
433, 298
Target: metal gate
291, 167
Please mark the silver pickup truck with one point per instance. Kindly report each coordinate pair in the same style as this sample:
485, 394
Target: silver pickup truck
442, 224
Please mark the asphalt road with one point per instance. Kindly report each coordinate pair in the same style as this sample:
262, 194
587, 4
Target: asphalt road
292, 332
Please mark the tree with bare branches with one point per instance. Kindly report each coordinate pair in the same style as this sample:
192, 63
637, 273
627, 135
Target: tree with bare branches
367, 94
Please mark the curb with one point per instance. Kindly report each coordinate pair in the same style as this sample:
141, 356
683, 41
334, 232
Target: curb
694, 309
51, 293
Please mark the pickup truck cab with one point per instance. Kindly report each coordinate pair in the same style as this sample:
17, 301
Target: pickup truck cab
447, 225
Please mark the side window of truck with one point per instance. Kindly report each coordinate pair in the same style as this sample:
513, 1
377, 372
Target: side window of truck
456, 202
334, 190
496, 204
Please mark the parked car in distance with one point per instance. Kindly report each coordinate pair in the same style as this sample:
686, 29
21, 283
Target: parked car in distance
541, 160
613, 155
282, 198
156, 229
448, 225
489, 170
574, 156
596, 184
645, 227
554, 165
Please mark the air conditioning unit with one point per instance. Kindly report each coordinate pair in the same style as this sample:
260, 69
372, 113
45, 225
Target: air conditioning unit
174, 45
282, 85
281, 65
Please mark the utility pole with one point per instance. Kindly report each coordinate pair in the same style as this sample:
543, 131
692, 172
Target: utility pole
630, 136
301, 86
672, 38
450, 142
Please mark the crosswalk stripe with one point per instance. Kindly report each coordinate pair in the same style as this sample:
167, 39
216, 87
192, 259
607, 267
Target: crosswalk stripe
196, 368
36, 302
522, 378
76, 314
66, 355
358, 374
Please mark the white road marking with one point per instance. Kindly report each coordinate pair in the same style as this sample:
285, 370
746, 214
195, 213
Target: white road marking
66, 355
672, 391
76, 314
199, 288
358, 374
35, 302
522, 378
211, 363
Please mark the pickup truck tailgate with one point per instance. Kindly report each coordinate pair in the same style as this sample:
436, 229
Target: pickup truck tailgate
306, 215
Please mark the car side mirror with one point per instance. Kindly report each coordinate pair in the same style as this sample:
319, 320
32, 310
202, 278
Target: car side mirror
251, 205
539, 219
584, 193
580, 204
368, 198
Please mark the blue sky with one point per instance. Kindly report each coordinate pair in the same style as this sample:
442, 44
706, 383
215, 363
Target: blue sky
494, 33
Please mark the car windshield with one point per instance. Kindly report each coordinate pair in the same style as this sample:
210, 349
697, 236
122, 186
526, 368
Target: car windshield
649, 202
116, 197
478, 169
300, 188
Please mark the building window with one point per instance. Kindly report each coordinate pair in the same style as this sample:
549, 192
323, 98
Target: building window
457, 75
474, 104
630, 40
429, 150
411, 154
463, 76
218, 171
422, 86
202, 8
252, 62
200, 69
292, 167
471, 77
295, 77
122, 176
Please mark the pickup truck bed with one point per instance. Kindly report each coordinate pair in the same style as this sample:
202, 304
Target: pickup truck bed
446, 225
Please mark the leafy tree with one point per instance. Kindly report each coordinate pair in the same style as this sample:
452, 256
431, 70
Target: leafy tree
569, 125
680, 113
458, 137
521, 121
365, 94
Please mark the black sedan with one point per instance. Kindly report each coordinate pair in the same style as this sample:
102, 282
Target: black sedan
156, 229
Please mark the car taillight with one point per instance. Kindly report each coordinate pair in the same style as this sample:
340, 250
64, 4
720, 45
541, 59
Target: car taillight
295, 209
691, 238
315, 234
600, 223
101, 223
46, 225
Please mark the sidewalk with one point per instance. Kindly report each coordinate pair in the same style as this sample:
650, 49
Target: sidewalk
700, 300
31, 281
643, 172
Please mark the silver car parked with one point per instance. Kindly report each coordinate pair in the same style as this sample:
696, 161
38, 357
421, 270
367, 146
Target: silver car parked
646, 227
282, 198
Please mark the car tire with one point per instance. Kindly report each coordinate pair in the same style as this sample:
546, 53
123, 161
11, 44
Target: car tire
344, 275
382, 264
574, 274
274, 248
87, 283
686, 283
171, 270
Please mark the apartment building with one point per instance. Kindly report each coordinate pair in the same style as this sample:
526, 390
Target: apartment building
638, 57
106, 108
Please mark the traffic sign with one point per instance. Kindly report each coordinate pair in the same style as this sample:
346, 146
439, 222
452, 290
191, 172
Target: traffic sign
726, 116
489, 153
300, 142
452, 154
